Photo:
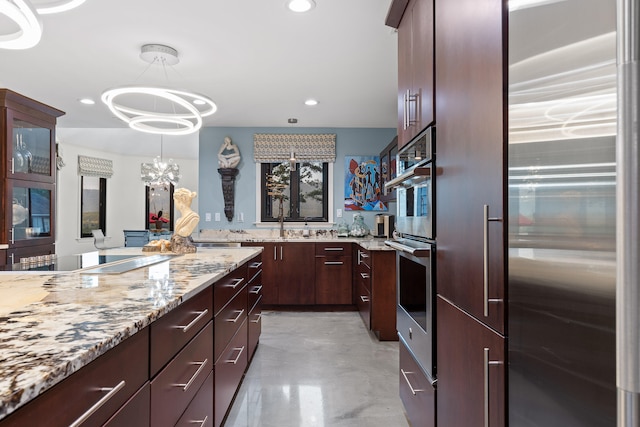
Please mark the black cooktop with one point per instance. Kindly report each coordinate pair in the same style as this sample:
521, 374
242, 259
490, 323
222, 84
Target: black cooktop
69, 262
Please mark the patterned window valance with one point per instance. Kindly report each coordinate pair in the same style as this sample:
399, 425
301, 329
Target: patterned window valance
268, 147
94, 166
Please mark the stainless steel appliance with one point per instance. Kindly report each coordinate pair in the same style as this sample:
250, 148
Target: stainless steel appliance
414, 187
415, 250
384, 225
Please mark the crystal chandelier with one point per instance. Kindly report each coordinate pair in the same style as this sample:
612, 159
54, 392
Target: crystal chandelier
155, 109
160, 172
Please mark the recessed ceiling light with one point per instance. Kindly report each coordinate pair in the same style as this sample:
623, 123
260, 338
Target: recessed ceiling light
311, 102
87, 101
300, 5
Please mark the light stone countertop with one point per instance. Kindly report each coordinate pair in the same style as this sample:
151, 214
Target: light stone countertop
52, 324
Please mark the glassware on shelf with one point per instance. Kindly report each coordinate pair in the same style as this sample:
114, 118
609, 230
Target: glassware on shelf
28, 157
18, 159
20, 213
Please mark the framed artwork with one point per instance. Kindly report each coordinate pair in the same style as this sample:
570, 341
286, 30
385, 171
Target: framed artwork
159, 207
362, 190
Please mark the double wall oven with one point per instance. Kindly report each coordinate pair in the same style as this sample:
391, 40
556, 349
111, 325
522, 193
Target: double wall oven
414, 242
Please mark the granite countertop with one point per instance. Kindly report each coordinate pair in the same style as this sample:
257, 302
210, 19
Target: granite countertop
291, 235
52, 324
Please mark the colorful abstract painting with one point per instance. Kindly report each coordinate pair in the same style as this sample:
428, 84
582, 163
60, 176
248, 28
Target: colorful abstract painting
362, 184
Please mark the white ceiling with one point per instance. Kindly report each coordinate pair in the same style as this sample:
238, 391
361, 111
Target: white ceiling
257, 60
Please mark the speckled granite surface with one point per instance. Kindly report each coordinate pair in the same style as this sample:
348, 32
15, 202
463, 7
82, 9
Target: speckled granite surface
291, 235
53, 324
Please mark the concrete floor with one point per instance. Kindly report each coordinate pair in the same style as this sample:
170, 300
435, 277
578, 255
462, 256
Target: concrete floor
319, 369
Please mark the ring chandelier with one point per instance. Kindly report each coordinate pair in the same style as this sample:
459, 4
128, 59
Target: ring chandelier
167, 111
27, 17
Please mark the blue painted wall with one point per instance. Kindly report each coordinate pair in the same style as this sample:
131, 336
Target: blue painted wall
349, 141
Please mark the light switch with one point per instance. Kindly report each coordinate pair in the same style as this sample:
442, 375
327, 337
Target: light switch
218, 216
339, 213
207, 216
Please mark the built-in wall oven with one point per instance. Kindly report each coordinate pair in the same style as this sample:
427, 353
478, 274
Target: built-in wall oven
414, 242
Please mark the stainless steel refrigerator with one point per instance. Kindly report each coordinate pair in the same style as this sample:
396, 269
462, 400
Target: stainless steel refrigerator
562, 213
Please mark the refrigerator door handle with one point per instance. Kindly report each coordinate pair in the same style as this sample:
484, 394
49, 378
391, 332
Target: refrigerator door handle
485, 260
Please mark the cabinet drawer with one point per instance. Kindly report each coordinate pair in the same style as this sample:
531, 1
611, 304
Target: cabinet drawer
176, 385
135, 412
95, 392
363, 259
255, 290
255, 328
171, 332
333, 249
254, 267
363, 302
334, 280
225, 288
228, 373
416, 392
199, 413
228, 321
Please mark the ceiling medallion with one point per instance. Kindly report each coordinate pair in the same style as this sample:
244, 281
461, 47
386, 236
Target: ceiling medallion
157, 109
26, 17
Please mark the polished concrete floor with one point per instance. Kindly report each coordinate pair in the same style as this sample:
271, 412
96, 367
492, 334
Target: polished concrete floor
319, 369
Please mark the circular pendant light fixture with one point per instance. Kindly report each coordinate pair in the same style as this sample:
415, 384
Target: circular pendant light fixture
25, 14
159, 110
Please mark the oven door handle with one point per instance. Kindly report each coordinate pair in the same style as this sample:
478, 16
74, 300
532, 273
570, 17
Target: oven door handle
419, 252
413, 173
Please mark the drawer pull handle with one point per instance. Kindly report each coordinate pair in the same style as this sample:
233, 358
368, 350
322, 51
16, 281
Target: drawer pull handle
201, 422
334, 249
237, 317
364, 298
112, 392
256, 264
200, 315
364, 275
413, 390
235, 284
258, 317
186, 386
256, 289
239, 350
487, 363
333, 263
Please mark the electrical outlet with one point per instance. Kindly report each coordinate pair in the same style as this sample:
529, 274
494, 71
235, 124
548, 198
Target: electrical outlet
207, 216
218, 216
339, 213
241, 218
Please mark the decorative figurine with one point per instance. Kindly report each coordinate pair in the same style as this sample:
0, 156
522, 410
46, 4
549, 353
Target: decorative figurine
181, 241
228, 159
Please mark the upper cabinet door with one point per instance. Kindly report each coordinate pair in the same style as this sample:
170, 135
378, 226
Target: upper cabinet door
415, 70
471, 156
30, 148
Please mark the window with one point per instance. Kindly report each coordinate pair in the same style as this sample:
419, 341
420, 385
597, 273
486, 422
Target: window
305, 195
93, 205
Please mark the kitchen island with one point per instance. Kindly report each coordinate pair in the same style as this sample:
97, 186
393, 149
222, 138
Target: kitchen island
54, 324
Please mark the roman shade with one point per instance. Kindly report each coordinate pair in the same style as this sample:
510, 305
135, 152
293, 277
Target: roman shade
269, 147
95, 166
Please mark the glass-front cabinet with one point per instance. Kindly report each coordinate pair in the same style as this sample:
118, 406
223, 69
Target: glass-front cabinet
27, 175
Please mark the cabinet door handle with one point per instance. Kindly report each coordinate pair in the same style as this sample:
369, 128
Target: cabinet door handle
12, 231
405, 107
364, 275
487, 363
13, 166
237, 317
200, 315
234, 361
258, 318
280, 253
334, 249
186, 386
364, 298
413, 390
255, 264
256, 289
236, 282
485, 259
112, 392
202, 422
333, 263
275, 253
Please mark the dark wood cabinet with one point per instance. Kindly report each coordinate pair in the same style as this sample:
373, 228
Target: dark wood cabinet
333, 274
375, 291
388, 169
471, 157
229, 369
254, 305
417, 393
27, 174
415, 70
199, 413
471, 370
288, 273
